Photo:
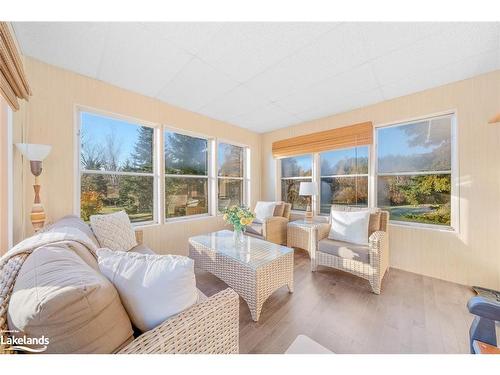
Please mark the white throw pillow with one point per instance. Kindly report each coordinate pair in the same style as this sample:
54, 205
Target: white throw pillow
263, 210
152, 287
114, 231
350, 226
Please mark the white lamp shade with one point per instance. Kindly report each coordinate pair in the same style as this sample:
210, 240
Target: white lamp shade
34, 152
308, 188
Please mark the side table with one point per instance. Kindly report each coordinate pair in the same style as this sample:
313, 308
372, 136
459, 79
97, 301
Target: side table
303, 234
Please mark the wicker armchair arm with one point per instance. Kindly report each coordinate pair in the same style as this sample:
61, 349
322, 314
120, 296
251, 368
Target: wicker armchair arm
274, 229
323, 231
379, 250
210, 327
376, 241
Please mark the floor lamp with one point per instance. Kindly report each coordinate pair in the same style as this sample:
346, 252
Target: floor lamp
35, 154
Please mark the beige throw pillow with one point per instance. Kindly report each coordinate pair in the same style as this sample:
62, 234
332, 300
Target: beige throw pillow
114, 231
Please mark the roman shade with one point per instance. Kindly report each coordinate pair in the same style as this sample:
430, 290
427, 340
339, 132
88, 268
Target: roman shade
13, 83
347, 136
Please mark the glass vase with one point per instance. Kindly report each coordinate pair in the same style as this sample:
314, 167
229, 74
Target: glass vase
238, 236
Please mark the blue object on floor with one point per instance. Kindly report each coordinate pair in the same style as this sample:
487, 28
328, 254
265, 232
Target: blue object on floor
486, 308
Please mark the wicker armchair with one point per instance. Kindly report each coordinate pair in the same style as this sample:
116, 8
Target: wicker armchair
273, 229
371, 261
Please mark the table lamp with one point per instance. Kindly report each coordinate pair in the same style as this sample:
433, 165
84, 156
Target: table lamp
35, 154
308, 189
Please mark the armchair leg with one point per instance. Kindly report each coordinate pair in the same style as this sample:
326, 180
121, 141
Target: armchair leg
376, 285
314, 266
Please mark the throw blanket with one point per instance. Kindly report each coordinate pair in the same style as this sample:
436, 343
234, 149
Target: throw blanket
12, 261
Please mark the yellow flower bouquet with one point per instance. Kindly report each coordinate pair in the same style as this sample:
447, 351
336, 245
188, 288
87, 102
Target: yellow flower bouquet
239, 217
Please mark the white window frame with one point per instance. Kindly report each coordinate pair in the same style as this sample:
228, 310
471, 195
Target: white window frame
454, 172
155, 174
313, 178
320, 176
209, 176
246, 173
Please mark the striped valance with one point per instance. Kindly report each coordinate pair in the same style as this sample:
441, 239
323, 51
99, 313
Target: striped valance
344, 137
13, 83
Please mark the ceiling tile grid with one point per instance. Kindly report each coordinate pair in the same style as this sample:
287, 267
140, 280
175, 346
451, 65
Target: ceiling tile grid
263, 76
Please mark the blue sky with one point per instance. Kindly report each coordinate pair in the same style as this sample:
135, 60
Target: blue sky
98, 127
394, 140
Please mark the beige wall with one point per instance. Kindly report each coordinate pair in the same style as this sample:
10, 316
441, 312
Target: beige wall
4, 228
471, 256
49, 118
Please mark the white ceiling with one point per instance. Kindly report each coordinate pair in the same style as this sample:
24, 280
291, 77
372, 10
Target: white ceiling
265, 76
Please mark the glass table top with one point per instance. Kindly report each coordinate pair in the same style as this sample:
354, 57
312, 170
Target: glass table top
252, 251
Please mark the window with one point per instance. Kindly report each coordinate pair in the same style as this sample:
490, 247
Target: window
230, 175
186, 175
414, 163
344, 178
295, 170
116, 168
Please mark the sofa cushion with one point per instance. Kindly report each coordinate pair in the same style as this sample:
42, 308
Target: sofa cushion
58, 295
279, 209
142, 249
345, 250
255, 228
72, 221
73, 225
151, 287
114, 231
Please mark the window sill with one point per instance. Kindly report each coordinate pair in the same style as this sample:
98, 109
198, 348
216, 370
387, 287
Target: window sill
433, 227
187, 218
145, 224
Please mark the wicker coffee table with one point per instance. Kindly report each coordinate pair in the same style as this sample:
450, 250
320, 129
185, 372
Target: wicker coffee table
254, 268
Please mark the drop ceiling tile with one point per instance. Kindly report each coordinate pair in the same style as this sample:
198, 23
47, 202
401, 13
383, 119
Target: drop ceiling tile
333, 88
196, 85
385, 37
266, 118
457, 71
78, 49
125, 63
462, 41
244, 49
236, 102
190, 36
335, 52
342, 103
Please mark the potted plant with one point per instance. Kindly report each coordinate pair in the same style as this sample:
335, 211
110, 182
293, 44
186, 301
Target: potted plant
239, 217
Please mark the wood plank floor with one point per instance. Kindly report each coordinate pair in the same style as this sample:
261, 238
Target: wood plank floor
414, 313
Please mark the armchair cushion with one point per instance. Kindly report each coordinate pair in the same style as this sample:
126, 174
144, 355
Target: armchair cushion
255, 228
263, 210
345, 250
350, 226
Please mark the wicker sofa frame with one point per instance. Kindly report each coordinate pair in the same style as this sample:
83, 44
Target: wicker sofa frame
209, 327
373, 271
